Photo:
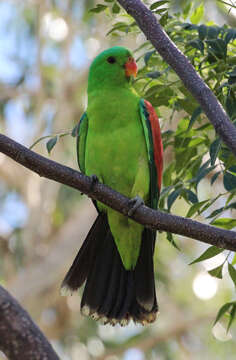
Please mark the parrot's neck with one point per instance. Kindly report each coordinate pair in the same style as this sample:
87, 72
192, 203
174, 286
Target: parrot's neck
110, 93
111, 107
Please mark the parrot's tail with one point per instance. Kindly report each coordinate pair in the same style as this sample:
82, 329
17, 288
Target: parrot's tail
113, 294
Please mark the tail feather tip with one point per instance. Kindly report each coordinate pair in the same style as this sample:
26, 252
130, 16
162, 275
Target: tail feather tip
124, 322
66, 290
95, 316
85, 310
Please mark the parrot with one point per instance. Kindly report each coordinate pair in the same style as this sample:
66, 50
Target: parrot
118, 144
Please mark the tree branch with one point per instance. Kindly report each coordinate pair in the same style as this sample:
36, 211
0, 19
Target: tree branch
20, 338
144, 215
148, 23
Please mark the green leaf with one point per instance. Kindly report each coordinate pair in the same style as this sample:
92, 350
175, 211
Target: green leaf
154, 74
232, 80
212, 32
172, 197
231, 34
234, 260
167, 176
115, 9
163, 20
209, 253
51, 143
148, 55
232, 273
229, 181
195, 142
195, 207
203, 173
198, 14
230, 104
99, 8
229, 198
160, 11
170, 238
214, 150
197, 44
232, 317
191, 196
223, 310
231, 206
157, 4
217, 272
194, 116
120, 26
202, 32
232, 73
225, 223
216, 212
109, 1
218, 47
214, 177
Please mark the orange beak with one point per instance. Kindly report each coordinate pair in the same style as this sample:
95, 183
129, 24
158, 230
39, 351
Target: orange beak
131, 67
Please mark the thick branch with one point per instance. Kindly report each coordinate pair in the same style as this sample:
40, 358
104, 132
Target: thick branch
148, 23
151, 218
20, 338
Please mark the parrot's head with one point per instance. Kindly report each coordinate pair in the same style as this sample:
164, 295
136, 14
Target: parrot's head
112, 67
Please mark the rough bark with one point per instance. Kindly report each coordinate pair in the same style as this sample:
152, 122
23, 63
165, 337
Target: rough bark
20, 338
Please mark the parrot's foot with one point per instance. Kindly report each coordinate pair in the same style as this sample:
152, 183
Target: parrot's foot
134, 204
94, 180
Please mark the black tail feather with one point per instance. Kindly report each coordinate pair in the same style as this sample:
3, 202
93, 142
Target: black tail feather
83, 261
112, 293
144, 274
125, 311
98, 278
113, 285
122, 281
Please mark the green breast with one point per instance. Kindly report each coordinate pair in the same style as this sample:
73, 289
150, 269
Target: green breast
115, 141
116, 152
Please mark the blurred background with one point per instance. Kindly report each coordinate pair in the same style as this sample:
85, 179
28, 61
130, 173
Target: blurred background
46, 47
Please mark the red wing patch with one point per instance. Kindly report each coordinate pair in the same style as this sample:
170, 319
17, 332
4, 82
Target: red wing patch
157, 141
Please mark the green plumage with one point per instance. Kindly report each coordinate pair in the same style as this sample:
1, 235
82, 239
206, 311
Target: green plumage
119, 142
113, 146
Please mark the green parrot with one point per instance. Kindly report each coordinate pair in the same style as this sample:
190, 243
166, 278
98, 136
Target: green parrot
119, 140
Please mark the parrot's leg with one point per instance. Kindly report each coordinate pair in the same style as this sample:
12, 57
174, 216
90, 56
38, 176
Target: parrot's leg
134, 204
94, 180
140, 187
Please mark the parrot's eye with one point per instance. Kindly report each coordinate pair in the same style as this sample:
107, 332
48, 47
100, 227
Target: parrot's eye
111, 59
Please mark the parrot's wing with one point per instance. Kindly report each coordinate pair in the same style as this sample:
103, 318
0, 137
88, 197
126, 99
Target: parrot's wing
81, 141
152, 134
